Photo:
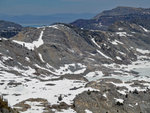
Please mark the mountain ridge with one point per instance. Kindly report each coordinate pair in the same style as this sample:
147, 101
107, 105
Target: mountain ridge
9, 29
106, 18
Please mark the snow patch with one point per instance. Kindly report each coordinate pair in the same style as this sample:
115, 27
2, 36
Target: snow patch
118, 58
116, 42
120, 29
142, 51
93, 76
5, 58
119, 100
88, 111
34, 44
104, 55
105, 95
41, 58
66, 111
146, 30
123, 34
121, 53
54, 26
27, 59
123, 92
66, 69
93, 40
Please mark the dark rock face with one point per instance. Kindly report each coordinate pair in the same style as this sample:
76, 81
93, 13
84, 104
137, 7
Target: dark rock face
9, 29
139, 16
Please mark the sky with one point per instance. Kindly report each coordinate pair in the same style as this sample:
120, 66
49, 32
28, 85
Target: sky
45, 7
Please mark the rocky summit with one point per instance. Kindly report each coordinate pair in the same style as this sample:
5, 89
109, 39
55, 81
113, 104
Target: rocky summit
65, 69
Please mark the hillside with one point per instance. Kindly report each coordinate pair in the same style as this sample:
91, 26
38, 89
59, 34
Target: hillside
66, 69
9, 29
67, 60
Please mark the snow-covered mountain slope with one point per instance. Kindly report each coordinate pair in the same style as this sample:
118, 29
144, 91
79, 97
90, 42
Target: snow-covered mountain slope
44, 69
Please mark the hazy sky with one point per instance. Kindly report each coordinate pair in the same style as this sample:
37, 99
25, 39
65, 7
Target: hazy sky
44, 7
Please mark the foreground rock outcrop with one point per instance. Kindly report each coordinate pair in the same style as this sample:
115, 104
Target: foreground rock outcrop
4, 107
112, 99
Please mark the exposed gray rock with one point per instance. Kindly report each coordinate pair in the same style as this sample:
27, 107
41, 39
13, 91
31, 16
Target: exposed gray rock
109, 100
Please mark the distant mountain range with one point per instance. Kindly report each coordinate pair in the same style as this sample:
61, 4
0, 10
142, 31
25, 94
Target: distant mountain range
35, 20
101, 21
9, 29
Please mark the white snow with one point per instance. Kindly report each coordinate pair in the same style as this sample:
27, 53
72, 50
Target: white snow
88, 111
5, 58
116, 42
130, 105
123, 34
120, 29
141, 66
66, 69
146, 30
27, 59
93, 40
128, 86
105, 95
38, 89
41, 58
91, 54
118, 58
66, 111
54, 26
121, 53
93, 76
27, 72
136, 104
91, 59
142, 51
34, 44
31, 86
119, 100
123, 92
104, 55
